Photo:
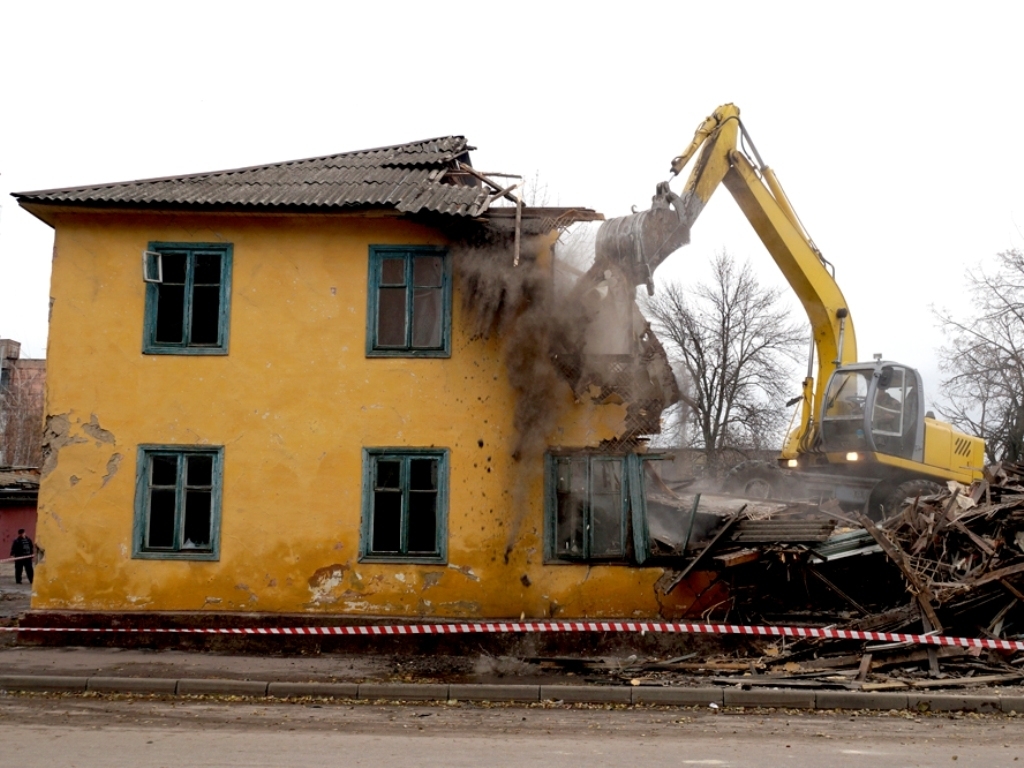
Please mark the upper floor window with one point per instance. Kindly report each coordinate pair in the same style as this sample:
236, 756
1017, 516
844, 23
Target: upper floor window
409, 303
188, 295
177, 502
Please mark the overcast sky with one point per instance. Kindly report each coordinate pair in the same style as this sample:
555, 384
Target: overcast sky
894, 126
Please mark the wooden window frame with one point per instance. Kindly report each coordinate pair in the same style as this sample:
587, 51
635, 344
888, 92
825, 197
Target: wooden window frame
370, 458
150, 346
142, 499
409, 252
635, 534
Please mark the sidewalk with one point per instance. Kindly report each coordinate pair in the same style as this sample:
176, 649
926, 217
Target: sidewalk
176, 673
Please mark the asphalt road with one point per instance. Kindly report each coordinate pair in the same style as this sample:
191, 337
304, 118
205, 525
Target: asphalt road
86, 731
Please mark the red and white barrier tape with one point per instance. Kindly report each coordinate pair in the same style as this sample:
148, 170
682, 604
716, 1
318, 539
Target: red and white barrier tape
556, 626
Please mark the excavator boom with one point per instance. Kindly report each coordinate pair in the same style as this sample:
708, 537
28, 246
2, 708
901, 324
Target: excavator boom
645, 239
871, 440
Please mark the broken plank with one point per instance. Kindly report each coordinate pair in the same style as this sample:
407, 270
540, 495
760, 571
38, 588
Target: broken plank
739, 557
961, 682
710, 545
998, 575
1012, 589
780, 682
979, 542
923, 594
864, 668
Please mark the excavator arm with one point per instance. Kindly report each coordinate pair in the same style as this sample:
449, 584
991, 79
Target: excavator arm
645, 239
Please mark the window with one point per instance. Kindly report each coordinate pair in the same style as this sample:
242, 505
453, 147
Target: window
405, 505
597, 507
188, 293
409, 304
177, 502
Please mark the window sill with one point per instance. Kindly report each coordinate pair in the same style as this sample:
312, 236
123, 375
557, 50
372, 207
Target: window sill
207, 556
592, 561
184, 351
404, 559
408, 353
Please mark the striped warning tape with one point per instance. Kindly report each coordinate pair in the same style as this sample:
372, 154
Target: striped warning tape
557, 626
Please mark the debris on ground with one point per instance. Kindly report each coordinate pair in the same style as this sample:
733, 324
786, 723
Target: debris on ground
951, 563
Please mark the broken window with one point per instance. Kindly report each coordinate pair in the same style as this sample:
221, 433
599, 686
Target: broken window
178, 502
405, 505
187, 298
596, 508
409, 302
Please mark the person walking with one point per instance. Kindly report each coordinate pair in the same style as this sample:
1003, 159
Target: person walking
23, 549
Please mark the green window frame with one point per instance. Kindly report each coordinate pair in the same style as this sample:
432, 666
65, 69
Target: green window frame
405, 505
178, 502
409, 306
188, 298
595, 509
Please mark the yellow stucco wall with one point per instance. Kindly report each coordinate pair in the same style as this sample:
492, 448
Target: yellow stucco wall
293, 404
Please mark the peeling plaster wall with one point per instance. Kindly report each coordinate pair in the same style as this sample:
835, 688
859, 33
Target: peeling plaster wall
293, 404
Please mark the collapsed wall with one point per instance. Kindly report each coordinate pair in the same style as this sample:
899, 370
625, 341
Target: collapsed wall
587, 333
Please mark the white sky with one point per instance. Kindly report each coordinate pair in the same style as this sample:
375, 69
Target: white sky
893, 125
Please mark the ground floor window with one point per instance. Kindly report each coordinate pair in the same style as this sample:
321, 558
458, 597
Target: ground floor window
177, 502
405, 500
614, 508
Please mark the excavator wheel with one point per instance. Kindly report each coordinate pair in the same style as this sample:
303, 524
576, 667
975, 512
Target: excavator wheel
753, 479
910, 489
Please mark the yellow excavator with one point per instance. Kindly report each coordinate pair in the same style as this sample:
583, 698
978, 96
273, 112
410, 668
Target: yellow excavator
863, 435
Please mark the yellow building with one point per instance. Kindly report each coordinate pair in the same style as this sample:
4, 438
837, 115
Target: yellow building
318, 387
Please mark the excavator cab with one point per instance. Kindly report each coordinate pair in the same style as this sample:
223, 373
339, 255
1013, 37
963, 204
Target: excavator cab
873, 408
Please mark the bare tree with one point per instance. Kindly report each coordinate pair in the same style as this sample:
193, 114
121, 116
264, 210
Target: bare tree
734, 342
983, 359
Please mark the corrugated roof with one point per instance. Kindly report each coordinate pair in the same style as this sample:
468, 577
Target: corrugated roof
407, 177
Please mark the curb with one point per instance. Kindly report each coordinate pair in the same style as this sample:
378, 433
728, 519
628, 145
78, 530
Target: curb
577, 694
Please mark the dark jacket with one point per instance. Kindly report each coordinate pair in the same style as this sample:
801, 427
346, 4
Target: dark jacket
22, 546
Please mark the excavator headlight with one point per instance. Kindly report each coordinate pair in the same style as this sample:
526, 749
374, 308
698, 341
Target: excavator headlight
852, 456
792, 463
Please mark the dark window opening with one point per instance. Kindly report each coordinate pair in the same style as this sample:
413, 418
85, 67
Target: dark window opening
410, 297
180, 491
405, 517
186, 312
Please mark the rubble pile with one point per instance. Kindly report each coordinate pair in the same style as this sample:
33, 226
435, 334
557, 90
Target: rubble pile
951, 563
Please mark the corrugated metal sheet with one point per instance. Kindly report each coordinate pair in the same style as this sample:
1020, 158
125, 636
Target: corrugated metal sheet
772, 531
403, 176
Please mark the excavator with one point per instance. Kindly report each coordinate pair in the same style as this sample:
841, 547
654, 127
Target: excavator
863, 436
